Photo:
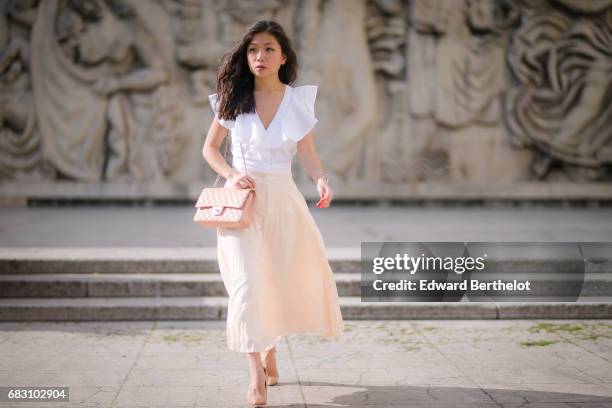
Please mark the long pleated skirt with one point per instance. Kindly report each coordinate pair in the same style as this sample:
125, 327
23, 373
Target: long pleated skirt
276, 271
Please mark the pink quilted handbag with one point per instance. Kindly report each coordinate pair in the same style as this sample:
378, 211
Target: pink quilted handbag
221, 207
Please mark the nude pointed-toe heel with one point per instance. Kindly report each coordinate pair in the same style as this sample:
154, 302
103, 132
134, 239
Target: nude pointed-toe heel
265, 399
271, 380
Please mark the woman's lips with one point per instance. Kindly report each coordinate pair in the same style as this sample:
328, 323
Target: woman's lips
260, 67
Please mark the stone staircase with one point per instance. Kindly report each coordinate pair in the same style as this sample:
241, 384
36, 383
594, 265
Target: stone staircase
144, 283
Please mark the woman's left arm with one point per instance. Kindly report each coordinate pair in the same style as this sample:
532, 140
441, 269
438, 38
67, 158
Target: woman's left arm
307, 154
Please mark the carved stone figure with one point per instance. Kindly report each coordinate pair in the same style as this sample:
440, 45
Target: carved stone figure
456, 62
104, 59
20, 145
349, 140
455, 83
562, 102
386, 31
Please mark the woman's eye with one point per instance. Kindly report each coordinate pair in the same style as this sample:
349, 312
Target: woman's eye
271, 48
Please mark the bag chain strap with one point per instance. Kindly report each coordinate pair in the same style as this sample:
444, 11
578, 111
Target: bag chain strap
227, 142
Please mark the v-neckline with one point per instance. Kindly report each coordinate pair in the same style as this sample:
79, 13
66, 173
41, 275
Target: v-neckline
276, 114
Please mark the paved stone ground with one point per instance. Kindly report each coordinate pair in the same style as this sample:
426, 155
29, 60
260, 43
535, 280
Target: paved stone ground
493, 363
519, 363
340, 225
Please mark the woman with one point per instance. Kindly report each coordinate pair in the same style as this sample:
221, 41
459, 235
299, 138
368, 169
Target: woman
276, 272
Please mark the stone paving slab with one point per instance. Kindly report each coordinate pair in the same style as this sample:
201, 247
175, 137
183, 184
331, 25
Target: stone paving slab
424, 363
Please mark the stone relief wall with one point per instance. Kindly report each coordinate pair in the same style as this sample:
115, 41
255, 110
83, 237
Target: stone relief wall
560, 105
442, 91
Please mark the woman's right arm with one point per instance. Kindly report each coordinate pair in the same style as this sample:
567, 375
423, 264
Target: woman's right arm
212, 154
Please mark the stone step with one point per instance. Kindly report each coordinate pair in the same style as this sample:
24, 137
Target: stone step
133, 285
215, 308
207, 284
25, 260
185, 260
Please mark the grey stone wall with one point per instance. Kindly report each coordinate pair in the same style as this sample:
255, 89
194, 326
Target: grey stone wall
442, 92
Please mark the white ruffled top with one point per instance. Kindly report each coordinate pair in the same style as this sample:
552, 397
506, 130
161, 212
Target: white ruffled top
271, 150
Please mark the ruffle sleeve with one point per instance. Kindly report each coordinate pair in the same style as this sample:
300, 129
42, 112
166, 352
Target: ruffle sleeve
228, 124
300, 118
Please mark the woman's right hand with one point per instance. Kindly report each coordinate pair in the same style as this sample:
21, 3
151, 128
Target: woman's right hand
241, 180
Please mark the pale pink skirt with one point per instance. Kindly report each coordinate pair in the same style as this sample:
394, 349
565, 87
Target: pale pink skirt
276, 271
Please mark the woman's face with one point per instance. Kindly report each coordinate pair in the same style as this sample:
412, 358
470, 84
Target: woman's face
265, 55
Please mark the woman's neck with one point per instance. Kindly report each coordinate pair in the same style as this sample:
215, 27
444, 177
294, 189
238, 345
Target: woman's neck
268, 85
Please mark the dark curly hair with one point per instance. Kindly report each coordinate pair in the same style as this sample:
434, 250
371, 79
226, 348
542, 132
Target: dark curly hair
236, 82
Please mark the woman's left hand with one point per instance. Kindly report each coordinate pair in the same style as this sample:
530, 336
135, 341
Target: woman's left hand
325, 193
